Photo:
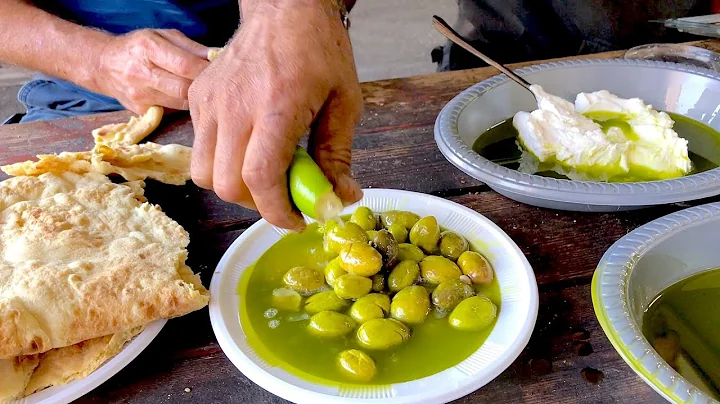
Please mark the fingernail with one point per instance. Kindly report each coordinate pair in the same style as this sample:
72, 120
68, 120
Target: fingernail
349, 189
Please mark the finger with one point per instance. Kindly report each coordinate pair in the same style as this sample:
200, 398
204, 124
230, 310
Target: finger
203, 150
139, 100
331, 142
171, 85
232, 139
176, 60
179, 39
268, 156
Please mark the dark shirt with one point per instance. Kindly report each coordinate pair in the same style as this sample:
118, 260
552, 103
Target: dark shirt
210, 22
523, 30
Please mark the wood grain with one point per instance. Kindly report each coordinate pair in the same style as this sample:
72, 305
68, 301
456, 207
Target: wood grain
568, 358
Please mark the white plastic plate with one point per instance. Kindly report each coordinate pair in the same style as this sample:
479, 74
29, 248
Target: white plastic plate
518, 310
70, 392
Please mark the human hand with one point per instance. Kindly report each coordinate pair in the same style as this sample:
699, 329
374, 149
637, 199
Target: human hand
149, 67
289, 68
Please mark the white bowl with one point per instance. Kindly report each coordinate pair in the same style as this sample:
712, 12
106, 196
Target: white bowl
516, 319
685, 90
635, 270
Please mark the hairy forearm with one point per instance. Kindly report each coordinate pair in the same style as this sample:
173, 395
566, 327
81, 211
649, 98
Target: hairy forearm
37, 40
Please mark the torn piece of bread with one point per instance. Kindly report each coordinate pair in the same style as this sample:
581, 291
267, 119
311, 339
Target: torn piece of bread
131, 132
88, 263
213, 53
169, 164
74, 162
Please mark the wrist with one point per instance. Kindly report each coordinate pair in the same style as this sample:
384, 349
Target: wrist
88, 73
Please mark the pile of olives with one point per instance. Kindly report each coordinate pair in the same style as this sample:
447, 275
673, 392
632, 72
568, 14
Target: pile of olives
389, 272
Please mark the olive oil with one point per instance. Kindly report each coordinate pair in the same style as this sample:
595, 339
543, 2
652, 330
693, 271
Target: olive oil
499, 143
282, 339
682, 324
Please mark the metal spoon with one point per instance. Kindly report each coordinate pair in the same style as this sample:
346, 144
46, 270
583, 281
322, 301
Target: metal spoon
444, 28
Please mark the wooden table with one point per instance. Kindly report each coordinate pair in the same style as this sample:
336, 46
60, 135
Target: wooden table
568, 359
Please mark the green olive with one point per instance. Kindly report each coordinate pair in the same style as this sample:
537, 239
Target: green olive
371, 234
399, 232
340, 235
436, 269
330, 324
426, 234
357, 364
382, 333
410, 305
304, 280
370, 307
286, 299
476, 267
360, 259
473, 314
324, 301
378, 282
352, 286
379, 299
410, 252
450, 293
365, 218
362, 312
401, 217
403, 275
333, 270
452, 245
385, 243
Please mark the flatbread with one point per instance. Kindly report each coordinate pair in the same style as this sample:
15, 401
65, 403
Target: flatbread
63, 365
19, 189
25, 375
169, 164
88, 263
132, 132
15, 374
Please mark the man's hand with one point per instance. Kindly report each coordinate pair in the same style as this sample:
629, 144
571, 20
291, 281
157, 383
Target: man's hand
288, 69
149, 67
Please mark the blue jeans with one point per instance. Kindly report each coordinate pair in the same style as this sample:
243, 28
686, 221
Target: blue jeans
47, 97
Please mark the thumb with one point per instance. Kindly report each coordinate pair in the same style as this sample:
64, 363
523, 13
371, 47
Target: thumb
330, 142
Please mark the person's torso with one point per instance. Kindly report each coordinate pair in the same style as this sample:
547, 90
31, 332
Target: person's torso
519, 30
210, 22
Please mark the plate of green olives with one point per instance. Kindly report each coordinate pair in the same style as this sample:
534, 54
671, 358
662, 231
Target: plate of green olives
403, 298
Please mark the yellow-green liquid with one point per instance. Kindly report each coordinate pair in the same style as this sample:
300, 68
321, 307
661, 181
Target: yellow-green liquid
498, 144
433, 346
686, 317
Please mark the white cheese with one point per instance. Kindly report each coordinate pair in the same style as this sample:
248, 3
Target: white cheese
634, 142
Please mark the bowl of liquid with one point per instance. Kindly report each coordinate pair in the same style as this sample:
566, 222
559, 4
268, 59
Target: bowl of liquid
410, 354
474, 131
655, 293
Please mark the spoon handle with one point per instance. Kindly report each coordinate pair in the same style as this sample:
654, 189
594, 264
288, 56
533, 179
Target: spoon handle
450, 34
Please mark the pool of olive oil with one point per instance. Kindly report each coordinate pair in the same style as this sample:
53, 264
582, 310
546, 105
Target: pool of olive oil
683, 324
499, 144
283, 340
